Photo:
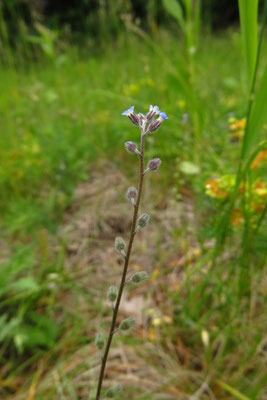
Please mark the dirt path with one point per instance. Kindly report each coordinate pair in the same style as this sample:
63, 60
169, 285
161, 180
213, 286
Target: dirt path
99, 213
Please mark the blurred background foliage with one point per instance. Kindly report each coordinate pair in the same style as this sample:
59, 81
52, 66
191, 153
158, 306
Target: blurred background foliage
23, 22
67, 71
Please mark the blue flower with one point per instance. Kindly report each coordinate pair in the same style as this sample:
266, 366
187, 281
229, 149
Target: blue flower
128, 112
132, 116
185, 117
154, 108
163, 116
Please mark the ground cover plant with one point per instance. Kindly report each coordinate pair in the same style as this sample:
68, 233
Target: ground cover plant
201, 317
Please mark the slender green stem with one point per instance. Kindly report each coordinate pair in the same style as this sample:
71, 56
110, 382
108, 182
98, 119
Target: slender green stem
123, 278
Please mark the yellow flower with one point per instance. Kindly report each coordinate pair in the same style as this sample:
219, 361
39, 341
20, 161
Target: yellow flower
165, 319
260, 188
257, 207
237, 127
131, 89
235, 124
260, 159
213, 189
220, 187
157, 321
180, 104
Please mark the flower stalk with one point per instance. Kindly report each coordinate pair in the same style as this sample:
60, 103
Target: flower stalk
141, 121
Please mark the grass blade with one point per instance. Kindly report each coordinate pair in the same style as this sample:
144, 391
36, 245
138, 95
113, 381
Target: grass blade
258, 115
248, 11
234, 392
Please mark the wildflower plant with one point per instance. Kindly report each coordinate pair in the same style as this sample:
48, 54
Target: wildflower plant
147, 124
250, 199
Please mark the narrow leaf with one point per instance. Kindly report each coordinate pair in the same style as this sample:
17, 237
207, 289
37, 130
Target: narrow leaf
174, 8
258, 115
248, 13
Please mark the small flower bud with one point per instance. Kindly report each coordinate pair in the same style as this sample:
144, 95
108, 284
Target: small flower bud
120, 245
131, 147
154, 125
143, 220
127, 324
139, 277
141, 116
113, 391
112, 293
99, 341
134, 119
132, 194
154, 164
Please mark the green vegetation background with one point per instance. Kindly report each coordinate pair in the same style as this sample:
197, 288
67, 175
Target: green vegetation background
60, 106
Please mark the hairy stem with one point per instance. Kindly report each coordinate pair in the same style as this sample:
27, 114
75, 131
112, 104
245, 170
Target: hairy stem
125, 268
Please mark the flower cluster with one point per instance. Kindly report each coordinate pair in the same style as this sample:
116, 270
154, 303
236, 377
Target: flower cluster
148, 121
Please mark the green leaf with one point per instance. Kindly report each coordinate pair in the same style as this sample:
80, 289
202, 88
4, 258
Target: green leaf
33, 336
25, 284
39, 330
248, 14
174, 8
8, 328
189, 168
258, 115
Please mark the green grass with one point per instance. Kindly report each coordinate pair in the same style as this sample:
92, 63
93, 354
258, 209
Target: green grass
59, 121
56, 120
